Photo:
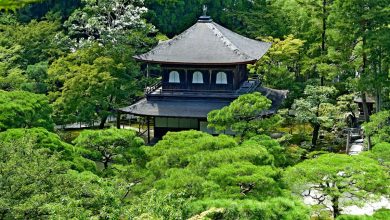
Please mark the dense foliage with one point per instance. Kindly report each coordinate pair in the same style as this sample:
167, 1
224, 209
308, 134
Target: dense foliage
64, 62
246, 116
36, 184
21, 109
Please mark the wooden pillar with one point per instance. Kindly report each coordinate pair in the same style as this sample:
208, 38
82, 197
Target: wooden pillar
148, 122
186, 80
210, 78
118, 119
147, 71
235, 78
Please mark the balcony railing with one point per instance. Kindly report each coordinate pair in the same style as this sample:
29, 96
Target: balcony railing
150, 89
162, 88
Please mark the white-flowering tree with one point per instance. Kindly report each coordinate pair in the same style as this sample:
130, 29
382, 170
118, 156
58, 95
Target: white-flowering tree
108, 21
100, 75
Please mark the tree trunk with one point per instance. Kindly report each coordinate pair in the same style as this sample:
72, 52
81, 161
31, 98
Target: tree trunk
335, 206
316, 131
103, 122
365, 107
323, 36
364, 68
118, 120
378, 100
379, 88
105, 163
364, 97
106, 159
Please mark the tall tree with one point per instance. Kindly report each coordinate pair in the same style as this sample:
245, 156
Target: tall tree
26, 50
40, 41
310, 22
107, 21
279, 67
359, 26
89, 84
101, 74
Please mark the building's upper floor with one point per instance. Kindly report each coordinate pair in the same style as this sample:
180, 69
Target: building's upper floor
203, 81
205, 60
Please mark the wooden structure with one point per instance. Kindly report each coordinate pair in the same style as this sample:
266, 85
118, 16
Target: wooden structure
203, 69
370, 105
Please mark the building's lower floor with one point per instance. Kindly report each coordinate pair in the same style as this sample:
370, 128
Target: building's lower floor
185, 112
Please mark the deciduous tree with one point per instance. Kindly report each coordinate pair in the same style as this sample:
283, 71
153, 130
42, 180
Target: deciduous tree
24, 110
108, 21
358, 30
378, 127
279, 66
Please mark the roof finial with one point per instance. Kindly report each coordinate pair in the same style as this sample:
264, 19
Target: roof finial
204, 18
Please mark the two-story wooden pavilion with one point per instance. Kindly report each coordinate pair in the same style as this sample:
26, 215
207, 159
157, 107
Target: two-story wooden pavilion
203, 69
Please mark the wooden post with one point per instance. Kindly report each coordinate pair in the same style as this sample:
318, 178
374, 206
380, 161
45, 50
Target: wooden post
147, 71
148, 122
210, 78
118, 120
140, 122
186, 80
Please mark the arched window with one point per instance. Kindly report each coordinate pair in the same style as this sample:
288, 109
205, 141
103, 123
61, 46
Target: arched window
197, 78
221, 78
174, 77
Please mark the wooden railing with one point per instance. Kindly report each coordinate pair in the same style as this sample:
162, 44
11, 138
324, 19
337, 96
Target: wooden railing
151, 89
192, 92
248, 86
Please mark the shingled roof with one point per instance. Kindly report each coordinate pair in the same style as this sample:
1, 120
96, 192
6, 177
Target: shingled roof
206, 42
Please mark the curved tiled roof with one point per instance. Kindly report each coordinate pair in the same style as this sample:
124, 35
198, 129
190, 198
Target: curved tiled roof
207, 43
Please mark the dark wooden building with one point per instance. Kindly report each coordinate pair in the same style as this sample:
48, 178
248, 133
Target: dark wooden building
203, 69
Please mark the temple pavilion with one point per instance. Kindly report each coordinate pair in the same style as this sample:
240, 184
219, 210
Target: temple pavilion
203, 69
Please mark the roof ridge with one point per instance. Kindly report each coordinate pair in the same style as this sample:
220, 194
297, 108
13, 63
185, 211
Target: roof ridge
228, 43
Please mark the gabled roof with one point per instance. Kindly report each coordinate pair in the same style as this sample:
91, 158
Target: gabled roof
206, 42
